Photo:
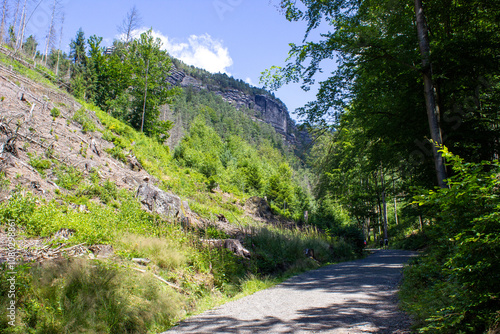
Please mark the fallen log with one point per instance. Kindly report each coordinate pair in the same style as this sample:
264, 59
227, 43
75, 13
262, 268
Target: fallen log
234, 245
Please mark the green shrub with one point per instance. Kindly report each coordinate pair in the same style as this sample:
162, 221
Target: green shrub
461, 267
81, 117
4, 181
107, 192
117, 153
68, 177
352, 235
40, 164
55, 112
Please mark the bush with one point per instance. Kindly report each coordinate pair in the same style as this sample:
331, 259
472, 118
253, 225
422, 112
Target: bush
55, 112
352, 235
81, 117
68, 177
40, 164
462, 260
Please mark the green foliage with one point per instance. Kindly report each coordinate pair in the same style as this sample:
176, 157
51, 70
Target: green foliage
98, 224
150, 68
68, 177
238, 167
30, 46
107, 192
37, 74
465, 242
55, 112
168, 254
93, 296
40, 164
82, 117
283, 250
117, 153
4, 181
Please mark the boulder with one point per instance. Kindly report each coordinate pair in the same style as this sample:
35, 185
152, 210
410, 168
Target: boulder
259, 207
161, 202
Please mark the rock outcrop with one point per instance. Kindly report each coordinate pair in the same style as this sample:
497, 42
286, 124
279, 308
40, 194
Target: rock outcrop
161, 202
259, 207
265, 107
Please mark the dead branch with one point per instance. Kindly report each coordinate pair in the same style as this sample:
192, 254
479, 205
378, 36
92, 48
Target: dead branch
178, 288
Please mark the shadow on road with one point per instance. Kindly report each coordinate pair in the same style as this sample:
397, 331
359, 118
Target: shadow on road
351, 297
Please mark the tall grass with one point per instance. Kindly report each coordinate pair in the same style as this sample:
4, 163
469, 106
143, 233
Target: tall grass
81, 296
282, 250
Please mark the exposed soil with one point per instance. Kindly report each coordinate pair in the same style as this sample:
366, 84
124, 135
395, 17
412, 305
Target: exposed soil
25, 119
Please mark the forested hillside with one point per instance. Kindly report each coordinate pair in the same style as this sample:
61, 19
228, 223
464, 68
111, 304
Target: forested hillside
412, 151
113, 230
178, 189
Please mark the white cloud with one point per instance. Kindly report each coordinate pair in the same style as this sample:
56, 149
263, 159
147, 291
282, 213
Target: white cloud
249, 81
201, 51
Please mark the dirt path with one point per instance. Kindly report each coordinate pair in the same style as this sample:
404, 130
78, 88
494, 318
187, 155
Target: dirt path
351, 297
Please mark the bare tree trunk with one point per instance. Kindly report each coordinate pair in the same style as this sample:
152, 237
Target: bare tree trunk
145, 96
60, 43
131, 22
430, 93
396, 210
368, 229
22, 27
51, 32
384, 204
16, 15
4, 18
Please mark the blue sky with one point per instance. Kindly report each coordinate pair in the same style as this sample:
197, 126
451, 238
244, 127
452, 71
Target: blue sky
239, 37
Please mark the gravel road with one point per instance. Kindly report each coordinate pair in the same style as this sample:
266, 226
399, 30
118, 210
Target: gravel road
351, 297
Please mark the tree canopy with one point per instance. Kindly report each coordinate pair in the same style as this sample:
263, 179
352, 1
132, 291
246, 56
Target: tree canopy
410, 77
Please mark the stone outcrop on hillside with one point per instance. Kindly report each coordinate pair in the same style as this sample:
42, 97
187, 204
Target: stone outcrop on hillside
265, 108
161, 202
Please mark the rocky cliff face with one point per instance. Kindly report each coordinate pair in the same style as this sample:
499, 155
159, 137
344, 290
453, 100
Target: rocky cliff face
265, 108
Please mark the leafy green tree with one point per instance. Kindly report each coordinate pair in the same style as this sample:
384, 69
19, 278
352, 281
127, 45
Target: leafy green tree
150, 68
381, 50
30, 46
59, 57
97, 72
463, 256
12, 36
79, 65
78, 50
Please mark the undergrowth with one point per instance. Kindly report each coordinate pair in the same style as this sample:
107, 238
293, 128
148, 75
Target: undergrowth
108, 296
453, 287
68, 296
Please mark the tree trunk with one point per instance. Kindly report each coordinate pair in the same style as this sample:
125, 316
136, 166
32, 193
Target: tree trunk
51, 31
384, 204
60, 43
4, 18
22, 25
16, 15
430, 93
145, 96
396, 210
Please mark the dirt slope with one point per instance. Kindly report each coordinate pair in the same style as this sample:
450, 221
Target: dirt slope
25, 118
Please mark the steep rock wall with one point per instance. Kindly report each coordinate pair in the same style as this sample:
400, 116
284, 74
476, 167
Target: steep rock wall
264, 107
